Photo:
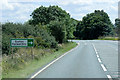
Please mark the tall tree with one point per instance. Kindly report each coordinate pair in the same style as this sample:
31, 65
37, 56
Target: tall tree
117, 28
54, 17
44, 15
95, 24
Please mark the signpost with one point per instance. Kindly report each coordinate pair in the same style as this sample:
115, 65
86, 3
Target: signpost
21, 42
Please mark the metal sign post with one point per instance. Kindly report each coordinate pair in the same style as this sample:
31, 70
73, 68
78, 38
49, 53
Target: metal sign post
22, 43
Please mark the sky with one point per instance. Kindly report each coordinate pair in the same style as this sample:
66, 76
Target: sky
18, 11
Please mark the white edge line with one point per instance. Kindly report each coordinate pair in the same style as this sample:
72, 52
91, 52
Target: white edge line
103, 67
51, 63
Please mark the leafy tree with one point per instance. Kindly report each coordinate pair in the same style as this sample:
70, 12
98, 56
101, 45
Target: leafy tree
45, 39
94, 25
117, 28
117, 22
44, 15
58, 30
70, 27
54, 14
12, 30
79, 29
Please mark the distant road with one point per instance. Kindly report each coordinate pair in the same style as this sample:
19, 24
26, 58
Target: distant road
91, 59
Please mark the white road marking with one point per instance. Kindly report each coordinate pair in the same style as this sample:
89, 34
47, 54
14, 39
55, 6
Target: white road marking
95, 49
97, 56
103, 67
51, 63
99, 60
110, 78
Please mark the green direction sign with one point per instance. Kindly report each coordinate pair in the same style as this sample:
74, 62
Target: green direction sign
22, 42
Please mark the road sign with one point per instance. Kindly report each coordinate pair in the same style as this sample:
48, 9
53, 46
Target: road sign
21, 42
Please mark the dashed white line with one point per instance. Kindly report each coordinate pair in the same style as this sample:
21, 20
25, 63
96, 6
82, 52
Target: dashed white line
51, 63
109, 76
95, 49
103, 67
97, 56
99, 60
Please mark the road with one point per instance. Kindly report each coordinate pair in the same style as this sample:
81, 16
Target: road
90, 59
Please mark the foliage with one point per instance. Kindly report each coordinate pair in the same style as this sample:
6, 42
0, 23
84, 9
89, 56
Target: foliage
117, 22
56, 19
22, 65
16, 30
44, 15
107, 38
94, 25
58, 30
117, 28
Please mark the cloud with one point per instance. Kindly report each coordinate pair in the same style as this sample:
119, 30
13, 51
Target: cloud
20, 10
31, 1
6, 5
114, 8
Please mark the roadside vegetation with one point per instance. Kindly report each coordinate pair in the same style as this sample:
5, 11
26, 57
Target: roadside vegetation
95, 25
23, 66
50, 27
108, 38
50, 36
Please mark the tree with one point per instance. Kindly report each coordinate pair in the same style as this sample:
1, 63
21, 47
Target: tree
58, 30
55, 18
78, 32
94, 25
117, 28
44, 15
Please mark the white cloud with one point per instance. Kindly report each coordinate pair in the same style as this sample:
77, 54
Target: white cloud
31, 0
114, 8
6, 5
76, 8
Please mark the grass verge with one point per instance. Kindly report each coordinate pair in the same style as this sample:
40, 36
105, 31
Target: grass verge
34, 65
108, 38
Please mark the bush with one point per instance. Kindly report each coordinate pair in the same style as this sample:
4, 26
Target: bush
12, 30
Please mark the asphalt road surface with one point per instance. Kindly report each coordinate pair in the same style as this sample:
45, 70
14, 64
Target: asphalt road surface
90, 59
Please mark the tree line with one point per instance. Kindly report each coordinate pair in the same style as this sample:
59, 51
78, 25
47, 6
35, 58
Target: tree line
52, 25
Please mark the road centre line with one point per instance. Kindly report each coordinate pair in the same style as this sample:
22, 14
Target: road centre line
110, 78
97, 56
103, 67
51, 63
99, 60
95, 49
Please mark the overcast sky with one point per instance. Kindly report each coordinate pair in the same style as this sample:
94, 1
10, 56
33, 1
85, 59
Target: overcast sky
20, 10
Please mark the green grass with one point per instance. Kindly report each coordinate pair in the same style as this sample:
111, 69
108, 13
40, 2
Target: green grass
34, 65
108, 38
